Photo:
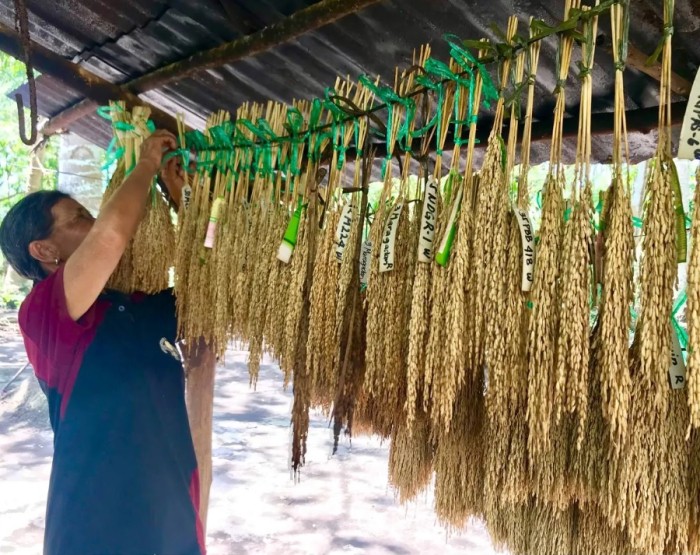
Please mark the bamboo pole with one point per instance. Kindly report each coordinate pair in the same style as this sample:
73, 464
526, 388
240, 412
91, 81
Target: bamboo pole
640, 120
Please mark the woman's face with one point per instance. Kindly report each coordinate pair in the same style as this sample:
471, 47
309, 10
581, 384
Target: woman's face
71, 224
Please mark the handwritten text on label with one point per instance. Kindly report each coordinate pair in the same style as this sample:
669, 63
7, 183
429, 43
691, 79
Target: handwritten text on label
676, 373
342, 233
386, 255
689, 144
428, 222
365, 260
186, 196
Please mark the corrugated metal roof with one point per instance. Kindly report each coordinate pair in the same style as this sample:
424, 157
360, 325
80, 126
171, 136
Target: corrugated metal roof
123, 40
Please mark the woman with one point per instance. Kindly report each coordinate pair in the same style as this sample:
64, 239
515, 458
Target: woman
124, 476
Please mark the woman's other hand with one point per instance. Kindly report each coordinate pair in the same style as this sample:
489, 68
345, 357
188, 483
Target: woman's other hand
172, 177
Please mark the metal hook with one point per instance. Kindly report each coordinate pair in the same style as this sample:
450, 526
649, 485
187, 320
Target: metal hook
22, 23
33, 133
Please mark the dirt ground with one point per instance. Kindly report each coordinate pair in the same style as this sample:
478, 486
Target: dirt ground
341, 505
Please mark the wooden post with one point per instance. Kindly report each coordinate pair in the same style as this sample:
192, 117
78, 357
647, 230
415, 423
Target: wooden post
200, 362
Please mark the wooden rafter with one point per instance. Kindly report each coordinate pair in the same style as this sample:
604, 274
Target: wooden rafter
636, 59
302, 22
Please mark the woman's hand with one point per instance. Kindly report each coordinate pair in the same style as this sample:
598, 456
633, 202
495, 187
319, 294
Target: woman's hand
172, 177
154, 148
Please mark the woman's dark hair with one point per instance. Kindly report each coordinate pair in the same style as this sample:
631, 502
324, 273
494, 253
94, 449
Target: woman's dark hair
28, 220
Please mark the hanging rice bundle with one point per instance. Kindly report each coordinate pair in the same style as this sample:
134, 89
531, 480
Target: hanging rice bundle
215, 253
436, 314
321, 354
295, 353
459, 467
410, 455
618, 292
654, 471
196, 283
455, 373
245, 218
275, 283
146, 263
229, 239
322, 348
389, 290
296, 330
510, 528
489, 250
271, 228
594, 534
693, 311
288, 216
351, 315
411, 458
694, 492
500, 388
184, 234
591, 474
602, 437
250, 237
153, 244
658, 490
571, 389
458, 410
295, 298
596, 465
515, 483
507, 482
544, 319
419, 322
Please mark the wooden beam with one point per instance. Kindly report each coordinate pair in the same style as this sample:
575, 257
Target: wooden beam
302, 22
636, 59
77, 77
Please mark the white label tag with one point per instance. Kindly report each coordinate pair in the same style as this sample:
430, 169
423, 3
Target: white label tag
386, 257
428, 220
689, 143
676, 373
365, 261
527, 242
186, 196
342, 233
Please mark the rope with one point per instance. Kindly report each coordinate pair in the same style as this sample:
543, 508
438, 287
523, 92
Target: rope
22, 26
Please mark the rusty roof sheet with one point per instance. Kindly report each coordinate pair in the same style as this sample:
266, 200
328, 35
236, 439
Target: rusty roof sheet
123, 40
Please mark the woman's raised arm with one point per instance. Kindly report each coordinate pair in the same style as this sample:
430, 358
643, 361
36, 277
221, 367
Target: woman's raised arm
87, 270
